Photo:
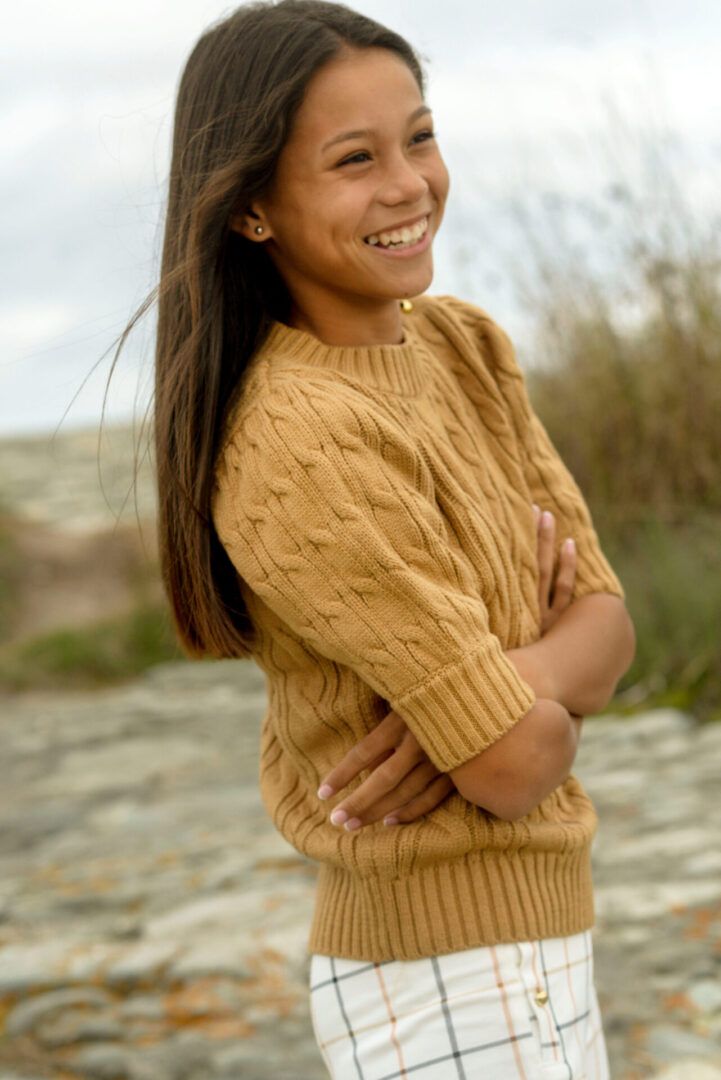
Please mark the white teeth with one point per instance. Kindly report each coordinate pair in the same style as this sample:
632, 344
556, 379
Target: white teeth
399, 238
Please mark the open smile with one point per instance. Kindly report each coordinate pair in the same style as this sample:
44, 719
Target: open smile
401, 238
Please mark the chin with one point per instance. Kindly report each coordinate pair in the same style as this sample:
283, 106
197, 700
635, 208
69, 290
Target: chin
417, 285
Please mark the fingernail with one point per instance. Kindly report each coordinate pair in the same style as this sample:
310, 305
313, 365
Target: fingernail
390, 820
338, 817
547, 517
354, 823
325, 791
570, 545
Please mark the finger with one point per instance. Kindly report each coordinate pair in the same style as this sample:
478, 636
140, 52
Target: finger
381, 782
566, 577
411, 786
422, 804
367, 751
380, 759
546, 546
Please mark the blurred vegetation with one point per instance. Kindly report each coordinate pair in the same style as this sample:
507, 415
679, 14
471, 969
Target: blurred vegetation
10, 565
670, 571
635, 410
89, 656
629, 388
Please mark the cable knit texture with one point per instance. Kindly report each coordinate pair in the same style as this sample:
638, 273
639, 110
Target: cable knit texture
377, 505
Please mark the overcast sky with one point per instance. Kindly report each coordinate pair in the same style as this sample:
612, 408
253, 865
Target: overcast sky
523, 93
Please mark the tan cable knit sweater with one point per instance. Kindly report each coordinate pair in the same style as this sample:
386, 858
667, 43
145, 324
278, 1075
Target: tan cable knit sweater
377, 504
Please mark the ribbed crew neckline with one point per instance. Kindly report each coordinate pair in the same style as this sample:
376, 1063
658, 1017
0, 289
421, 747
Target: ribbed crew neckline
397, 369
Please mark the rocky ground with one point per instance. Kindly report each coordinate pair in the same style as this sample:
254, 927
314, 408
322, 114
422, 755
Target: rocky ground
83, 518
153, 924
76, 481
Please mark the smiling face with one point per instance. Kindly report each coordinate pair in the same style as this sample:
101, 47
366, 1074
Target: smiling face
356, 200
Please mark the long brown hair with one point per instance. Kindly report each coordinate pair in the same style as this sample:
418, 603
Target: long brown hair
218, 294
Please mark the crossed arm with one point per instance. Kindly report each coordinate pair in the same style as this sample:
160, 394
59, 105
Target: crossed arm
584, 649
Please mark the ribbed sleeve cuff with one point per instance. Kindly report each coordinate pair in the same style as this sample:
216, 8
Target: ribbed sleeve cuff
465, 707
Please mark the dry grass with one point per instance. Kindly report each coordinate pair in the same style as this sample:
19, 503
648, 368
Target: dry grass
629, 388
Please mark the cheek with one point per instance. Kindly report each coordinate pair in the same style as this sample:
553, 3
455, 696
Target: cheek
323, 218
442, 181
346, 210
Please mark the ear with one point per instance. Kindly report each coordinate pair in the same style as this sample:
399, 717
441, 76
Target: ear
252, 225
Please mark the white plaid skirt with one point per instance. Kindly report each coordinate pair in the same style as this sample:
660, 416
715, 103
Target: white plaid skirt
522, 1011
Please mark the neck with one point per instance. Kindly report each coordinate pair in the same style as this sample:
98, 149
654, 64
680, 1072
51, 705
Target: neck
377, 323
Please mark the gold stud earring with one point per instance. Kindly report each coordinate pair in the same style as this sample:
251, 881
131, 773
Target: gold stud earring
258, 229
406, 306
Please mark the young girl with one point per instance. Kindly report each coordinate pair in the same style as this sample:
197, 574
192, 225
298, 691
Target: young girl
355, 491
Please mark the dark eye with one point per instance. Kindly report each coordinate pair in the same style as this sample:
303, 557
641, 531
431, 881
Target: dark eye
423, 136
358, 158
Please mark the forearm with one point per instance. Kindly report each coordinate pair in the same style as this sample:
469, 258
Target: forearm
518, 771
580, 660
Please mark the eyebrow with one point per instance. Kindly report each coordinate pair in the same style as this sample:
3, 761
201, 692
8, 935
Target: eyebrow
420, 111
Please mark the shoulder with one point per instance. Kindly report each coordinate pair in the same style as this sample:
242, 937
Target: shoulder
446, 309
476, 345
307, 426
469, 327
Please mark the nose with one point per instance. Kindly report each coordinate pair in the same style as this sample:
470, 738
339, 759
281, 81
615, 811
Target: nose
403, 183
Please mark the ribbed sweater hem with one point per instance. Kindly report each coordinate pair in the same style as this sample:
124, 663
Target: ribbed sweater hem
484, 898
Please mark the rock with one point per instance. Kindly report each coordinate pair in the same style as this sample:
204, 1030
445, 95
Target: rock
690, 1070
142, 963
104, 1061
676, 844
657, 723
188, 1053
207, 911
162, 887
648, 900
88, 961
126, 763
27, 1013
213, 957
30, 967
142, 1007
17, 1076
667, 1042
705, 863
75, 1026
706, 996
127, 928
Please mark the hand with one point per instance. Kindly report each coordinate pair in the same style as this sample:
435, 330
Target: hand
553, 597
404, 784
531, 661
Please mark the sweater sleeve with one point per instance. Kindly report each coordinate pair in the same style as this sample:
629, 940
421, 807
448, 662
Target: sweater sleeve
327, 510
551, 484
